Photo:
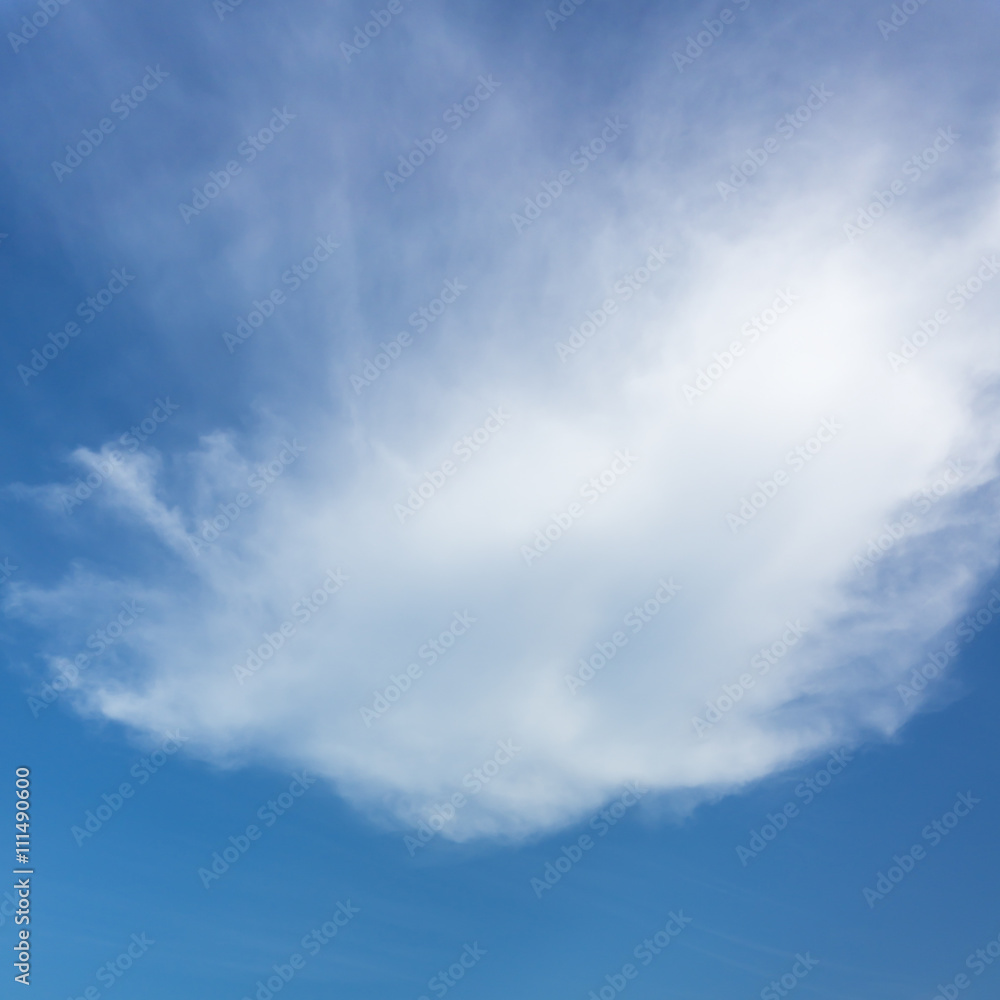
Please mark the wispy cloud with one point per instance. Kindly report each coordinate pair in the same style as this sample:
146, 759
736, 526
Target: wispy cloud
692, 462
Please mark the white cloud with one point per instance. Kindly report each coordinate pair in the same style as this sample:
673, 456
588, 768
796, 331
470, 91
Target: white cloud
823, 364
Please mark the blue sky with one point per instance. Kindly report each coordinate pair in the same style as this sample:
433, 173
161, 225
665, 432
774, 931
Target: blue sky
426, 447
